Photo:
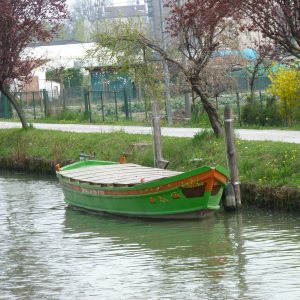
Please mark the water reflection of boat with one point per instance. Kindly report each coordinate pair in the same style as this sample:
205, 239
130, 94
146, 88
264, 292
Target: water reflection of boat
206, 237
134, 190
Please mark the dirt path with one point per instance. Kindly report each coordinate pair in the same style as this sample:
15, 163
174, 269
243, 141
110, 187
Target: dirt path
244, 134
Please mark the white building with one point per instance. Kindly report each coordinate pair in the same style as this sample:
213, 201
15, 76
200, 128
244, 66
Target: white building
62, 55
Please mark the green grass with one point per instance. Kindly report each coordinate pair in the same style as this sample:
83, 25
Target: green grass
96, 119
264, 163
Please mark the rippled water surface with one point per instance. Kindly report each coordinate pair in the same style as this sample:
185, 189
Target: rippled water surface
50, 252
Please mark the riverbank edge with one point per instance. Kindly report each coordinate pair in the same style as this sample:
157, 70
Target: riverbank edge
275, 198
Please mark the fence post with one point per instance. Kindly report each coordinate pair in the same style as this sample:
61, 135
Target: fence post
86, 105
89, 104
238, 107
126, 104
46, 103
33, 101
130, 110
261, 101
159, 162
116, 106
63, 99
232, 160
102, 105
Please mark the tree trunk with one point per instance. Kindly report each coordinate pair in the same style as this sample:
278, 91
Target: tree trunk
252, 80
15, 104
210, 110
62, 93
187, 105
251, 86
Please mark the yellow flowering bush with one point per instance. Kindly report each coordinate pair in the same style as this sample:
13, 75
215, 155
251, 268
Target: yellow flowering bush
286, 86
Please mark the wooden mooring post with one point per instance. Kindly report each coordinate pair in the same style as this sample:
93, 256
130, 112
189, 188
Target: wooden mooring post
159, 162
232, 192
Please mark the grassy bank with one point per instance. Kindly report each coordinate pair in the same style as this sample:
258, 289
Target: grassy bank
262, 163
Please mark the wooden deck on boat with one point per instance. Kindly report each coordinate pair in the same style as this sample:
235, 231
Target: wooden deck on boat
117, 174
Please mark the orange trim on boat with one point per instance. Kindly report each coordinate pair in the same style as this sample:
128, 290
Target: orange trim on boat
208, 179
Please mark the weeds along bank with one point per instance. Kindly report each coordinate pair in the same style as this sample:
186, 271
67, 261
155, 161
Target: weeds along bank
269, 171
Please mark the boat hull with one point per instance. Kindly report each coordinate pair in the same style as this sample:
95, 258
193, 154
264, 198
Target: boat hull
177, 216
188, 195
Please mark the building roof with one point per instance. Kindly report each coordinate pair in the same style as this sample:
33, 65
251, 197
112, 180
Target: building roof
66, 55
246, 53
54, 42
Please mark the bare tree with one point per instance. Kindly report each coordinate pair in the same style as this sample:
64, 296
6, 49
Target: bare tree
197, 29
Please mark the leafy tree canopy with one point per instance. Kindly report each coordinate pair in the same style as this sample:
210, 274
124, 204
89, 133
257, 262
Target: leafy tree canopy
23, 22
70, 77
279, 20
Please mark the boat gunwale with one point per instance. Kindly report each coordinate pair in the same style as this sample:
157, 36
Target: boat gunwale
152, 187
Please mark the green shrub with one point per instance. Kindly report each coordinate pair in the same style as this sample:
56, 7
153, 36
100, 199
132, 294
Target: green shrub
272, 112
264, 112
251, 113
71, 115
201, 136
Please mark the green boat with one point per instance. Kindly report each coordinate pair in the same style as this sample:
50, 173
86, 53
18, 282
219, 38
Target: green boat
137, 191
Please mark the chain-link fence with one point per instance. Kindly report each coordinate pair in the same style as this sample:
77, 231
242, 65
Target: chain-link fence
86, 105
78, 103
34, 104
6, 111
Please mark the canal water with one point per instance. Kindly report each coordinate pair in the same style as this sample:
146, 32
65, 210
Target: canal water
48, 251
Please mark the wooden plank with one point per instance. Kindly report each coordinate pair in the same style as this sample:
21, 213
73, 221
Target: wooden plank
118, 174
137, 180
141, 172
97, 170
120, 179
100, 171
131, 179
115, 167
92, 168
